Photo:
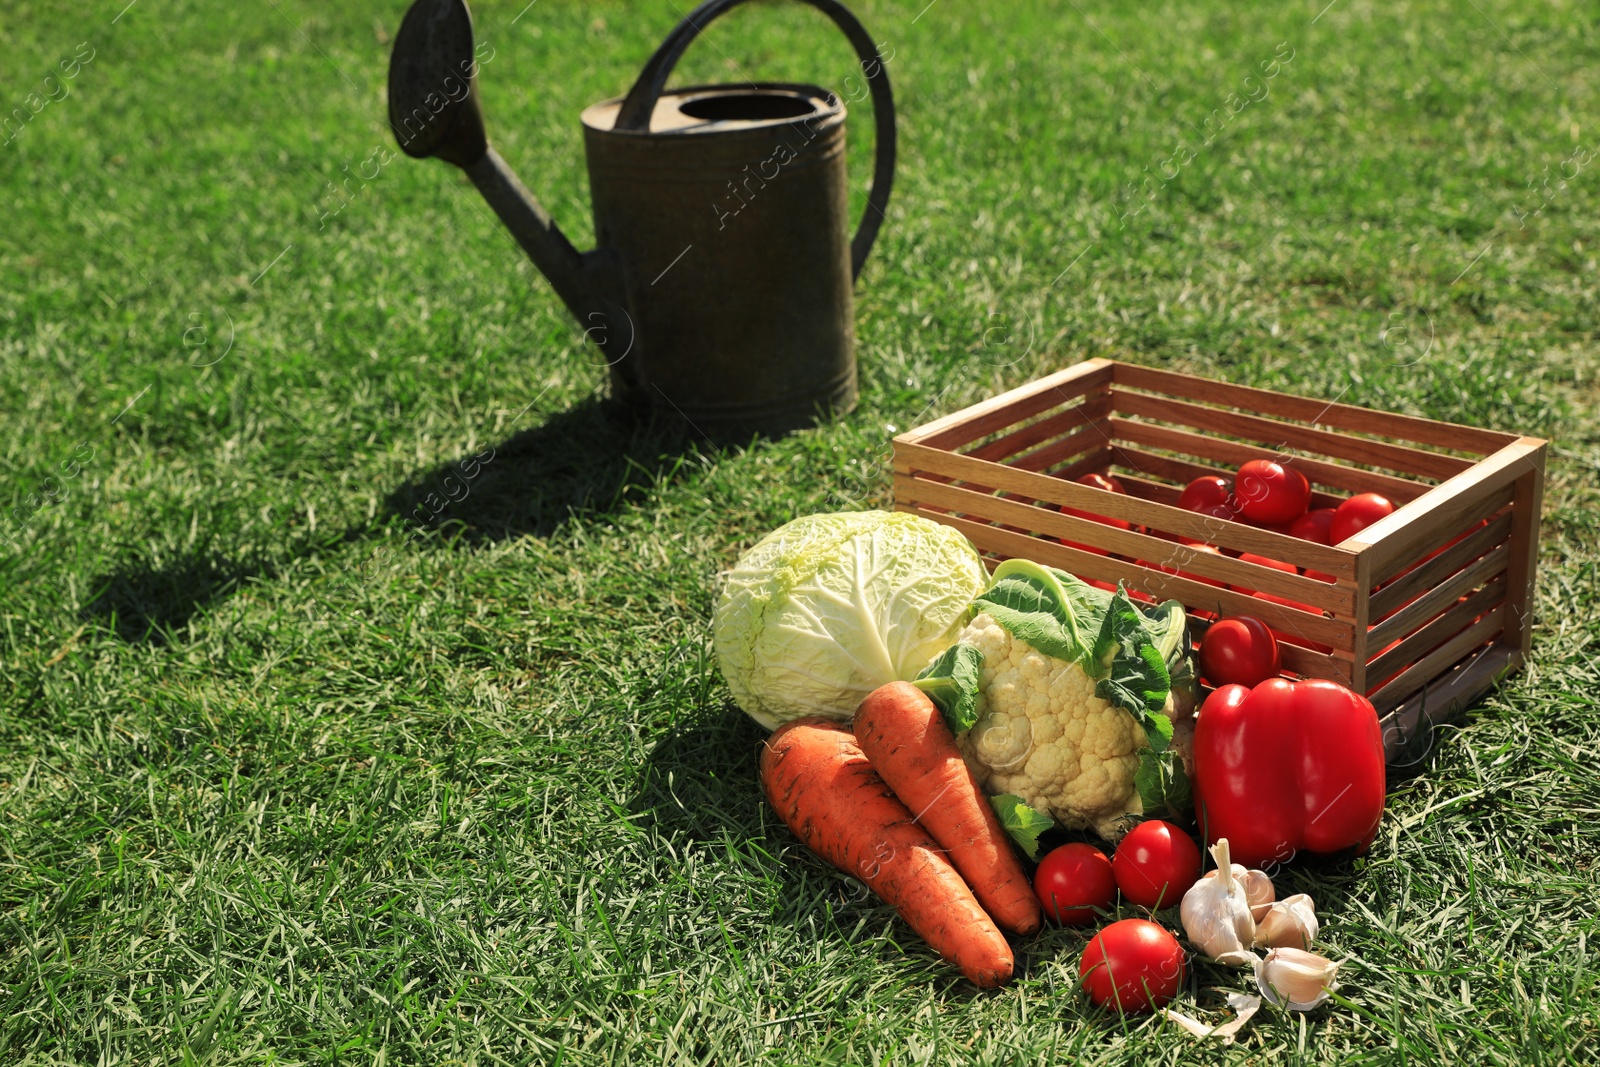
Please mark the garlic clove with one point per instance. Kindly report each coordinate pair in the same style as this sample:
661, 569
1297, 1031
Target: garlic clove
1295, 979
1288, 923
1258, 887
1216, 913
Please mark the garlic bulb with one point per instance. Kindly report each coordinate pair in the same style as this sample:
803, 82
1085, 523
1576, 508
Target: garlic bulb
1295, 979
1289, 923
1216, 912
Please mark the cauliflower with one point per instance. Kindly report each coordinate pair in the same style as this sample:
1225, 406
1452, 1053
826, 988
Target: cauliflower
1062, 697
1043, 735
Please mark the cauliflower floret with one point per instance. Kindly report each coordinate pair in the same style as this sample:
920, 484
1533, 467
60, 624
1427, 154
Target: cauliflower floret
1044, 735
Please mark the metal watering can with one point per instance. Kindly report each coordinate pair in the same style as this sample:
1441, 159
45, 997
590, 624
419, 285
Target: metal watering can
721, 292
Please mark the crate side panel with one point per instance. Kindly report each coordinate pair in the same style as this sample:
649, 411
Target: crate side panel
1308, 410
1409, 462
1397, 591
1463, 613
1233, 454
913, 459
1398, 539
1009, 408
1426, 669
1094, 408
1407, 728
1143, 550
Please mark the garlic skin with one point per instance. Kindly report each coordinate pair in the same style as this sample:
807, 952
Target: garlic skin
1295, 979
1216, 912
1289, 923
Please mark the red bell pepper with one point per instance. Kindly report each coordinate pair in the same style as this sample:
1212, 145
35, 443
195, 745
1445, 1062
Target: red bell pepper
1287, 768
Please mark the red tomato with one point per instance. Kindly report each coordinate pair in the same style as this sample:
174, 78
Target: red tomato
1275, 564
1072, 881
1238, 649
1107, 482
1356, 514
1132, 965
1205, 492
1156, 863
1266, 491
1313, 526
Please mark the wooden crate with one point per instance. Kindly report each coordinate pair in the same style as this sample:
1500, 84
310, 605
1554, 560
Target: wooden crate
1428, 608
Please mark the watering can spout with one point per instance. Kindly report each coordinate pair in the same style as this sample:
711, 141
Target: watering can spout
434, 111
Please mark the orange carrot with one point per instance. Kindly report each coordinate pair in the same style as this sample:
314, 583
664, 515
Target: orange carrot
824, 789
906, 740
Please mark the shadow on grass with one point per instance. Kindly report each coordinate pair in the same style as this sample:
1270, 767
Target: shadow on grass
140, 602
702, 781
593, 460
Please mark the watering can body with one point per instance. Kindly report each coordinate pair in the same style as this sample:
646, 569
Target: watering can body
721, 291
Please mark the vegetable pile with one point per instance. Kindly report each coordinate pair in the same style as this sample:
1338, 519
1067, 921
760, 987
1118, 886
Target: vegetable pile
933, 722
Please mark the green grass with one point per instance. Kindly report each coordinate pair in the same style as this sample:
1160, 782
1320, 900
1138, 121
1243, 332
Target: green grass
285, 779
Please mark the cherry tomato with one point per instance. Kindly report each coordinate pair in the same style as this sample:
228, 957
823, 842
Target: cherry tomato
1106, 483
1356, 514
1156, 863
1313, 526
1266, 491
1132, 966
1239, 649
1275, 564
1072, 881
1205, 492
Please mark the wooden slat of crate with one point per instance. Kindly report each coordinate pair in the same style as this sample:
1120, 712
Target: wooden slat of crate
1385, 601
1094, 435
1445, 626
1309, 663
1093, 409
1010, 408
1398, 539
1339, 634
1406, 727
1232, 452
1438, 598
1424, 670
1274, 434
955, 499
1526, 503
1341, 416
1098, 460
910, 458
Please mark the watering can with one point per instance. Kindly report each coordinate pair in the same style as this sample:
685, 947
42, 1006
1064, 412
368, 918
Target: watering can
721, 292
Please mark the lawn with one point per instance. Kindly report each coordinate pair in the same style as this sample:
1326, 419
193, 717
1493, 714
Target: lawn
287, 777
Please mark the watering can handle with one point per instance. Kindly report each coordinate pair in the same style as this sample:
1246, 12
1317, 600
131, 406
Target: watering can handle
641, 102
